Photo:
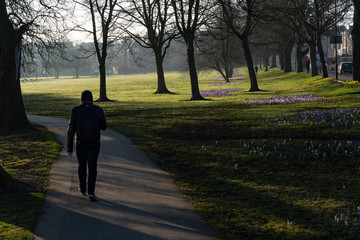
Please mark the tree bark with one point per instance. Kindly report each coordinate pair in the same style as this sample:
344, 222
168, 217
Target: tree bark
356, 46
287, 56
299, 57
273, 61
229, 69
12, 111
312, 48
102, 70
195, 92
281, 60
321, 55
160, 73
266, 61
250, 64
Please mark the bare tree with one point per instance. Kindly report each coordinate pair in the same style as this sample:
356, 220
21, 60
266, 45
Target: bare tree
218, 50
188, 18
239, 17
20, 21
104, 15
154, 16
77, 60
55, 57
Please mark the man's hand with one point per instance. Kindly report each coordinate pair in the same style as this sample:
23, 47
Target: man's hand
69, 153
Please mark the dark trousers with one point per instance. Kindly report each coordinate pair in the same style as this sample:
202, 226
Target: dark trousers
87, 157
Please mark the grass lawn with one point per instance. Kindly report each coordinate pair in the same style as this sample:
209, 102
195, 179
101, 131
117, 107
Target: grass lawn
253, 170
28, 158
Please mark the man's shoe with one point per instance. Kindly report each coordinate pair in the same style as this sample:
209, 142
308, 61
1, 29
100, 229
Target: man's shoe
83, 191
92, 197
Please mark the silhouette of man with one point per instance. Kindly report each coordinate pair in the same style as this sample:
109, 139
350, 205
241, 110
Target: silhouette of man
86, 121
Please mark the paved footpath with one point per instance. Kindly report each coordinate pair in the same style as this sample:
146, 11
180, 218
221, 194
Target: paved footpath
137, 200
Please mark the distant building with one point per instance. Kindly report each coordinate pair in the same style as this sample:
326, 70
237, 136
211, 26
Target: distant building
344, 49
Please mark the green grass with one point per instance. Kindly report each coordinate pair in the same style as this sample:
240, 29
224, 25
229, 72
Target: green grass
27, 158
250, 175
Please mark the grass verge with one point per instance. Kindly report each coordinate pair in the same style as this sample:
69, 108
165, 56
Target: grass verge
27, 158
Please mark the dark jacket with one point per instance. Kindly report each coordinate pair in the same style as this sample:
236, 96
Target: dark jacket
86, 133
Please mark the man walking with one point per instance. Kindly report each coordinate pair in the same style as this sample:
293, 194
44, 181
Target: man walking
86, 120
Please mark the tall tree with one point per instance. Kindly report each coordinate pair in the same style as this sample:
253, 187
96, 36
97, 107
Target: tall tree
12, 111
187, 20
239, 17
103, 16
154, 16
356, 41
300, 54
19, 21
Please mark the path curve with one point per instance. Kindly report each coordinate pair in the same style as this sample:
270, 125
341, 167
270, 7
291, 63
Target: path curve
137, 200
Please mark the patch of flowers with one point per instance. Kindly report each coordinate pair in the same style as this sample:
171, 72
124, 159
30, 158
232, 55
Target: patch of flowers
225, 83
309, 150
284, 99
331, 117
283, 149
220, 92
348, 222
351, 83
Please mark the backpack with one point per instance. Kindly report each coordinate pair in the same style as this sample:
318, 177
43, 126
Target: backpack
88, 129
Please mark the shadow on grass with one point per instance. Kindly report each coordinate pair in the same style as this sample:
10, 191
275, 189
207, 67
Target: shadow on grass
18, 214
259, 198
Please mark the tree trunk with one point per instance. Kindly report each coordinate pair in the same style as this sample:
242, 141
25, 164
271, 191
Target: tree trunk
12, 111
273, 61
356, 47
77, 72
224, 75
195, 92
250, 65
322, 56
161, 88
312, 48
102, 70
287, 61
266, 61
287, 55
299, 57
282, 61
229, 69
